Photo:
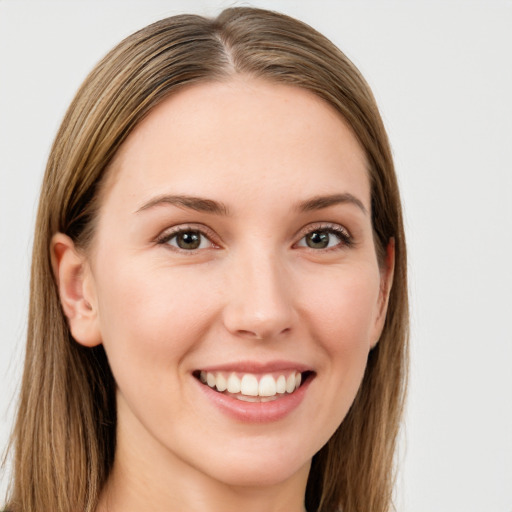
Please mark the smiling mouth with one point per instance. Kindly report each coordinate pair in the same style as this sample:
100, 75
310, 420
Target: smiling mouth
250, 387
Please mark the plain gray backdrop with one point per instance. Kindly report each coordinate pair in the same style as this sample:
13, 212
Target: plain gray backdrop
442, 75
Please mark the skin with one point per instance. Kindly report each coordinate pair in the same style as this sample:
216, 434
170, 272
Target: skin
253, 291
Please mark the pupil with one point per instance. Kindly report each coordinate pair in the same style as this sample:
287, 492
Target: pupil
318, 240
189, 240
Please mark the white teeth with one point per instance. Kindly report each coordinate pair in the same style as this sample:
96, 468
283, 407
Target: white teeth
281, 384
290, 383
234, 385
249, 387
244, 398
267, 386
221, 382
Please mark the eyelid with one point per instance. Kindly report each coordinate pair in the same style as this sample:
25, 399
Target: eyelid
345, 235
338, 229
168, 233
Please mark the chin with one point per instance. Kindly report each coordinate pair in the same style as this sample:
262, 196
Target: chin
264, 474
263, 465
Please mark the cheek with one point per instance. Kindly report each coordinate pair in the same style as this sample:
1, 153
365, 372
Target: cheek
344, 307
150, 318
343, 313
341, 310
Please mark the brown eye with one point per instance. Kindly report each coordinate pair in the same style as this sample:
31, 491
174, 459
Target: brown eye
189, 240
326, 238
318, 239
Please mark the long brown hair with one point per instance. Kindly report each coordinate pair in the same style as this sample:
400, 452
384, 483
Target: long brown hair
64, 437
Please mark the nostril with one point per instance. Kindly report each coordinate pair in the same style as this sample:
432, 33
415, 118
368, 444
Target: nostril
250, 334
260, 335
252, 313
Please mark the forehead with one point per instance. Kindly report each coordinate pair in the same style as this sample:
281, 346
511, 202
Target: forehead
244, 133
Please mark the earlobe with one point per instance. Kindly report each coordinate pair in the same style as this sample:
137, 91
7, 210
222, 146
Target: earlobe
387, 274
76, 290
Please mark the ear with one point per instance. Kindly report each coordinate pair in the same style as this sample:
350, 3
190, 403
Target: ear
76, 290
386, 282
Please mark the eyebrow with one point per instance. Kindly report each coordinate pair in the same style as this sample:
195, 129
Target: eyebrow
194, 203
217, 208
320, 202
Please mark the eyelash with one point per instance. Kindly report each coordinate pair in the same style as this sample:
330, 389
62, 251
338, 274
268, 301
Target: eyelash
345, 239
167, 236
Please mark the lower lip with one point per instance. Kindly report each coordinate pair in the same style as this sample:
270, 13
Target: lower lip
256, 412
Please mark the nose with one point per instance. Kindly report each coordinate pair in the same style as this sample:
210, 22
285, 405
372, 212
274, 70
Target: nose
259, 301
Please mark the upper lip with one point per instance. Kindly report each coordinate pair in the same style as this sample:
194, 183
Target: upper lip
257, 367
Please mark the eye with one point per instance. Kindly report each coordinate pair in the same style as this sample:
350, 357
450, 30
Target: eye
187, 240
326, 238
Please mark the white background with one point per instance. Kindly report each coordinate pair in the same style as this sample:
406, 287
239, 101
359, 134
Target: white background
442, 74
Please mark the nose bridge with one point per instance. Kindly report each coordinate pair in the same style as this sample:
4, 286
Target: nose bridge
260, 299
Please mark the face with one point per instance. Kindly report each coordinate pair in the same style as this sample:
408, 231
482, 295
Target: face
233, 258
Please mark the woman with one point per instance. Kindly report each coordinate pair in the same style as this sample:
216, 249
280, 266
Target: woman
218, 312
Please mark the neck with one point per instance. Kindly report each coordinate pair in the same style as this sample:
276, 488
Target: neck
195, 496
176, 491
147, 476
